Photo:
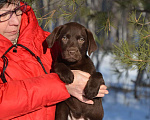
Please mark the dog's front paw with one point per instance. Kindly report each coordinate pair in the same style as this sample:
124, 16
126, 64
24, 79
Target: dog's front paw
90, 91
66, 76
64, 73
93, 85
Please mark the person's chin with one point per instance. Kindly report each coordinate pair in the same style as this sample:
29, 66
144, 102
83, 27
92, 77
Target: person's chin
12, 38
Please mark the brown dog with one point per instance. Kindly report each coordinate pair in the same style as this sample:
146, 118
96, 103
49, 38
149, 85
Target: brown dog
70, 43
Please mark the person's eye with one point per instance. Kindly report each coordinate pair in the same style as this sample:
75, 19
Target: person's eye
4, 16
18, 11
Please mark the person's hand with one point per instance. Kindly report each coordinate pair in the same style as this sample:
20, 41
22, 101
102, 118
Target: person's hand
102, 91
77, 87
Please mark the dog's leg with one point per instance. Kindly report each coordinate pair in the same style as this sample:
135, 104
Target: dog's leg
92, 87
62, 111
64, 73
75, 107
94, 112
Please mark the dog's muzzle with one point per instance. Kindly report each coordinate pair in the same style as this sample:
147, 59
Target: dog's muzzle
72, 54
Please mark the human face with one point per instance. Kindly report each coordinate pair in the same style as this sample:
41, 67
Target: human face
10, 28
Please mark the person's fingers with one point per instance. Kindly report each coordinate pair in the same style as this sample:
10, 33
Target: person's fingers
100, 95
103, 87
102, 91
82, 73
87, 101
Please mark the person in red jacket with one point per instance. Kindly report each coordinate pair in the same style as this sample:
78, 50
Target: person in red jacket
27, 90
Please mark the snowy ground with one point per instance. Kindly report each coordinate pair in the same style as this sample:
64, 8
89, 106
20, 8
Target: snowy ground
119, 105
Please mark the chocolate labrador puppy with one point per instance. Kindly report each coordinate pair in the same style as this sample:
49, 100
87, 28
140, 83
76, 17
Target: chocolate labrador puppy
70, 44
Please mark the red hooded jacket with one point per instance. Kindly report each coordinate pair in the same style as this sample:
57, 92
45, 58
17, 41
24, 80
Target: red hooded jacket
29, 93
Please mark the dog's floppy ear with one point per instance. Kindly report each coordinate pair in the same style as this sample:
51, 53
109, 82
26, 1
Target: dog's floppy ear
53, 36
92, 44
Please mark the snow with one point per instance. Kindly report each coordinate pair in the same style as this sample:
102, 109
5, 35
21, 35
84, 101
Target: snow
118, 104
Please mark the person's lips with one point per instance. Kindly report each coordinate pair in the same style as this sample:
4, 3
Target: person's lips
12, 32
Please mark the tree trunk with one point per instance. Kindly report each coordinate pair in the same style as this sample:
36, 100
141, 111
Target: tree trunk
138, 81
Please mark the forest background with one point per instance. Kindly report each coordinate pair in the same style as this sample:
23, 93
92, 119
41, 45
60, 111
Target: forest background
121, 29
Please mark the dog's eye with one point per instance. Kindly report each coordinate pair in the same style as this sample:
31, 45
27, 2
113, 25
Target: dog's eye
65, 39
81, 40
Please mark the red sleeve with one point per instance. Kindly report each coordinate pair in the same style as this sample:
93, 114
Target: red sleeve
23, 96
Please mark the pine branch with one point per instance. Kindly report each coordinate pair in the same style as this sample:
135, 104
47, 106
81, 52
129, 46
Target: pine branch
137, 60
131, 54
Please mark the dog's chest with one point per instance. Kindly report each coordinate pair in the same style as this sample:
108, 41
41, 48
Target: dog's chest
69, 118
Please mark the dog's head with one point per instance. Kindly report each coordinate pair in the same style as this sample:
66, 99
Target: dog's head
74, 41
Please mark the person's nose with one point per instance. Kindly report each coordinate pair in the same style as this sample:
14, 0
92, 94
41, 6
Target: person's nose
14, 20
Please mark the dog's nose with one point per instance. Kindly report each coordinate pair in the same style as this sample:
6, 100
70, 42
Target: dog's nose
72, 52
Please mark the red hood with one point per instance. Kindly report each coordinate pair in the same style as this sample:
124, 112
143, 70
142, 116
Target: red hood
31, 34
32, 37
